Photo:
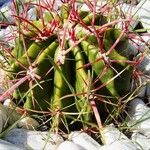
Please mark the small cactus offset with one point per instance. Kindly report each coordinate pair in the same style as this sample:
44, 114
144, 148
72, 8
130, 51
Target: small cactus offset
66, 59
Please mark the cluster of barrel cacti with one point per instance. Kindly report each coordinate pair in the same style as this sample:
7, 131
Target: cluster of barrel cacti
68, 59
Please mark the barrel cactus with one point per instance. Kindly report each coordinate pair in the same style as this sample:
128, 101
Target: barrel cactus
66, 59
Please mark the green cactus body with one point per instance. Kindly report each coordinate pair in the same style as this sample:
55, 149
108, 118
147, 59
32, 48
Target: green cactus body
82, 85
43, 62
32, 53
33, 28
122, 82
42, 65
93, 54
108, 75
62, 82
41, 95
38, 97
18, 51
98, 20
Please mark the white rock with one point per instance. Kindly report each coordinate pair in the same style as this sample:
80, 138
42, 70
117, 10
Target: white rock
28, 123
131, 49
68, 145
6, 10
12, 115
141, 141
148, 90
8, 35
2, 2
3, 117
32, 14
139, 86
139, 119
8, 103
114, 139
139, 13
110, 134
140, 46
120, 145
1, 123
4, 145
146, 38
144, 65
3, 78
34, 139
142, 91
7, 117
137, 107
84, 140
144, 14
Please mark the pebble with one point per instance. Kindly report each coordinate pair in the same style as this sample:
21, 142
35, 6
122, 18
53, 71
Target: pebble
6, 10
12, 116
139, 117
33, 139
144, 65
120, 145
148, 90
68, 145
139, 86
32, 14
3, 78
7, 36
4, 145
3, 117
114, 139
142, 91
2, 2
84, 140
28, 123
144, 14
140, 13
8, 103
110, 134
141, 141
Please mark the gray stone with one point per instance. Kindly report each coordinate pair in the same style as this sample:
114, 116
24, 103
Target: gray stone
140, 44
3, 78
110, 134
68, 145
139, 86
144, 65
143, 11
28, 123
148, 90
120, 145
84, 140
114, 139
6, 10
12, 115
139, 13
3, 117
142, 91
141, 141
32, 14
34, 139
139, 117
4, 145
